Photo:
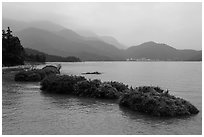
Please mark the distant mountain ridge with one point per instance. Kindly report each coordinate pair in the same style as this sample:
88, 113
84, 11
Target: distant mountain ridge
160, 51
51, 58
50, 26
67, 43
61, 41
108, 39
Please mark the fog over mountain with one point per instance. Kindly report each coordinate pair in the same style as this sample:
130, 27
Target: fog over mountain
64, 42
54, 39
60, 33
178, 24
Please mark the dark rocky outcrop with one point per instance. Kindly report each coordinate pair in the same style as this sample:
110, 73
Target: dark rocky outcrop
157, 102
37, 74
52, 69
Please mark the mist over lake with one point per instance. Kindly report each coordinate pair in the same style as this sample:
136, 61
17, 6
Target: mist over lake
27, 110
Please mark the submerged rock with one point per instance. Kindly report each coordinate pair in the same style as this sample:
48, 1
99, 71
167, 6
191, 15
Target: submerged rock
154, 101
96, 72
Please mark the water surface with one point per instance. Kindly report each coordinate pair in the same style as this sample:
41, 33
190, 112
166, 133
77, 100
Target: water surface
27, 110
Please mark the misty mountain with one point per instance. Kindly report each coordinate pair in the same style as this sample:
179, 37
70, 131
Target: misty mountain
57, 40
159, 51
50, 26
112, 41
108, 39
13, 24
109, 52
86, 33
52, 58
67, 43
20, 25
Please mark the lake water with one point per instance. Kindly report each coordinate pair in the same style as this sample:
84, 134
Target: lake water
26, 110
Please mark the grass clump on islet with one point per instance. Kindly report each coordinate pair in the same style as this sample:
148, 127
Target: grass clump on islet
146, 99
30, 75
60, 83
96, 89
157, 102
80, 86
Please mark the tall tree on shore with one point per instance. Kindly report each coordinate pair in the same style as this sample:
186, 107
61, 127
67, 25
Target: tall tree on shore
12, 50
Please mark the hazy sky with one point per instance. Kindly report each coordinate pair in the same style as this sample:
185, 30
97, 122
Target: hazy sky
176, 24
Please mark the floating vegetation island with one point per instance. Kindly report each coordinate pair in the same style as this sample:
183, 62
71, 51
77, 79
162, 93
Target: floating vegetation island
146, 99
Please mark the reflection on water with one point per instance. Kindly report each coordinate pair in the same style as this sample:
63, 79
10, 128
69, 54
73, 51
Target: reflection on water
27, 110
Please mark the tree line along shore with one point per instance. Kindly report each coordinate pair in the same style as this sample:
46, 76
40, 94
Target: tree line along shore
13, 53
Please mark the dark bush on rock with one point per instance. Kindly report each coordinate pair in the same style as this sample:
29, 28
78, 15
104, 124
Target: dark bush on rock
28, 76
87, 88
119, 86
154, 101
36, 74
79, 86
108, 91
41, 73
95, 89
146, 99
60, 83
